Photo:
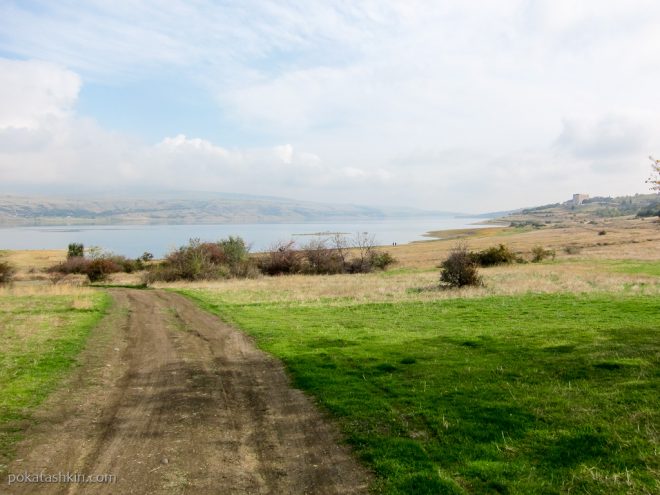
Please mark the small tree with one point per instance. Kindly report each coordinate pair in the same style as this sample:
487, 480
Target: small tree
340, 245
654, 179
460, 268
76, 250
364, 249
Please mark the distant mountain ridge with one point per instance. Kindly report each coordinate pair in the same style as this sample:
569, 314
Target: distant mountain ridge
186, 208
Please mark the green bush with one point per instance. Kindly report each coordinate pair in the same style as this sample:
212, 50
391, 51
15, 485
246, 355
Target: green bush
492, 256
75, 250
460, 268
204, 261
381, 260
235, 250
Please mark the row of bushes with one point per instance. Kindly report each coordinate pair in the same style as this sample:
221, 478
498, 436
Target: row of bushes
230, 258
97, 268
320, 258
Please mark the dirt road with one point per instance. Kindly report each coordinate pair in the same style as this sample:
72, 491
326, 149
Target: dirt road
171, 400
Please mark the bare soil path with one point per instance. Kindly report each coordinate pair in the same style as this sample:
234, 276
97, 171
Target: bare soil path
171, 400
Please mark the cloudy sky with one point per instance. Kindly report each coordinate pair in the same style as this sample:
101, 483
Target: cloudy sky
470, 106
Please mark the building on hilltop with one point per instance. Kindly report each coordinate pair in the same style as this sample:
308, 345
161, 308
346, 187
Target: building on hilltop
578, 199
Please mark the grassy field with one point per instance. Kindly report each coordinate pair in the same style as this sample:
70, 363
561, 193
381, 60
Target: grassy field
536, 393
543, 380
42, 329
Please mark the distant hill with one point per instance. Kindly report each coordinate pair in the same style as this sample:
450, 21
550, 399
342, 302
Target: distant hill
640, 205
186, 208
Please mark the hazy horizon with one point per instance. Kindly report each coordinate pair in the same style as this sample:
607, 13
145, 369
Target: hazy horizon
437, 106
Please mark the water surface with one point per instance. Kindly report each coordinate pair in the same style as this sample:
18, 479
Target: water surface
133, 240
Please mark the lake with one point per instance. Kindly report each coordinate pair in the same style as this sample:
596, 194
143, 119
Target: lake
133, 240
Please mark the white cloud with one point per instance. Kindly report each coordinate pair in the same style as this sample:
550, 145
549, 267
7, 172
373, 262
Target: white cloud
44, 142
610, 137
285, 153
33, 92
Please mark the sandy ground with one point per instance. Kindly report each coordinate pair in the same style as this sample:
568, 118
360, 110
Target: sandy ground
170, 400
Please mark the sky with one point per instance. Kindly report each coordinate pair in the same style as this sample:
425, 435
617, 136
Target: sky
444, 105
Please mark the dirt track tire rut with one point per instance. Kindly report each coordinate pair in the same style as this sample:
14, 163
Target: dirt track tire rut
171, 400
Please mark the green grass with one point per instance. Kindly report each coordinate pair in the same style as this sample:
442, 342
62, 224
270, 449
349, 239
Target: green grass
635, 267
521, 395
41, 337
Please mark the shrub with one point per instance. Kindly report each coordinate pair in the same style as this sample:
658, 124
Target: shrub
204, 261
495, 256
97, 268
146, 256
283, 258
197, 261
73, 264
6, 272
235, 250
460, 268
317, 257
382, 259
539, 253
76, 250
320, 259
126, 265
374, 260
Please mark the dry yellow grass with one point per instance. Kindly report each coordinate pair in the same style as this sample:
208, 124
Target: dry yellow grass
404, 285
46, 290
625, 238
416, 276
33, 259
28, 317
